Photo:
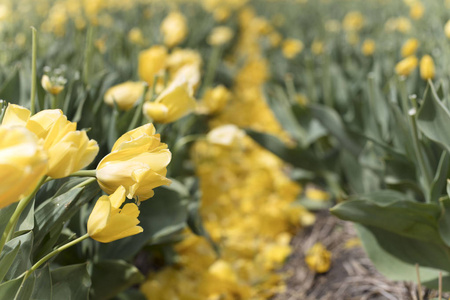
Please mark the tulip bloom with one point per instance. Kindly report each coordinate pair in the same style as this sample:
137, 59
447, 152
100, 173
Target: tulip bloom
69, 150
410, 47
108, 222
138, 161
174, 29
125, 94
427, 70
220, 35
152, 62
215, 100
291, 47
23, 161
368, 47
406, 66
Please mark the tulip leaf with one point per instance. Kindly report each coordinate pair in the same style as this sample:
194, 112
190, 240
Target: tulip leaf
110, 277
403, 217
161, 217
9, 289
22, 261
295, 156
26, 219
5, 215
440, 178
433, 118
26, 289
43, 286
7, 258
71, 282
395, 256
10, 89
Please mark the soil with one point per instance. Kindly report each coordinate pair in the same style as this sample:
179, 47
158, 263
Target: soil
351, 276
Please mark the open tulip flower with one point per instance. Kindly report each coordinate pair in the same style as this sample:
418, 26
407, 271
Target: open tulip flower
109, 222
69, 150
138, 161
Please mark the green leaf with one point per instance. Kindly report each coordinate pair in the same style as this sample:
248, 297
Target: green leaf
22, 261
26, 219
444, 220
440, 177
26, 289
395, 256
71, 282
43, 286
407, 218
10, 89
6, 214
433, 118
333, 123
295, 156
110, 277
162, 216
8, 289
7, 258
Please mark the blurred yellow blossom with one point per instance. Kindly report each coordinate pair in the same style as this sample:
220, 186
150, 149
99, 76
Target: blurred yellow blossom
427, 69
174, 29
225, 135
368, 47
406, 66
353, 21
138, 161
410, 47
416, 10
152, 62
125, 95
318, 258
220, 35
23, 162
317, 47
447, 29
135, 36
109, 221
214, 100
316, 194
53, 87
292, 47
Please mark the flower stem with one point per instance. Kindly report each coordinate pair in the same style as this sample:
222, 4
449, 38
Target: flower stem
211, 70
84, 173
53, 253
54, 99
33, 70
138, 113
15, 217
88, 56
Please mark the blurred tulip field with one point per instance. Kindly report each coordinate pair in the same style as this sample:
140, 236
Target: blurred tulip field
224, 149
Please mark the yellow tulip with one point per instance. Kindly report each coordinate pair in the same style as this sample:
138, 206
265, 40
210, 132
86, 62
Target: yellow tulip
410, 47
318, 258
181, 57
427, 70
172, 104
225, 135
108, 222
138, 161
317, 47
125, 94
353, 21
23, 161
152, 62
136, 36
416, 11
53, 88
215, 99
368, 47
174, 29
447, 29
292, 47
69, 150
406, 66
220, 35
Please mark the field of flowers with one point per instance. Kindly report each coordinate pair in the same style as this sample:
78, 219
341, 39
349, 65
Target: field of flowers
173, 149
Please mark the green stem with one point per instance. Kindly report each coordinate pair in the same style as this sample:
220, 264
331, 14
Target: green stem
54, 100
53, 253
84, 183
211, 70
33, 70
88, 56
290, 87
15, 217
84, 173
138, 112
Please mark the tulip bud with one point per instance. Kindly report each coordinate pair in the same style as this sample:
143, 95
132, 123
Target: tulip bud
23, 162
410, 47
53, 87
416, 11
447, 29
125, 94
135, 36
368, 47
427, 67
138, 161
220, 35
109, 222
292, 47
215, 100
406, 66
317, 47
69, 150
174, 29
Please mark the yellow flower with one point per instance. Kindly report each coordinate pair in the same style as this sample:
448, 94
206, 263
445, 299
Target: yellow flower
221, 14
220, 35
223, 271
135, 36
368, 47
50, 86
406, 66
23, 161
317, 47
291, 47
316, 194
427, 67
174, 29
152, 62
125, 94
447, 29
215, 99
172, 104
69, 150
416, 11
318, 258
138, 161
225, 135
353, 21
108, 222
410, 47
182, 57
